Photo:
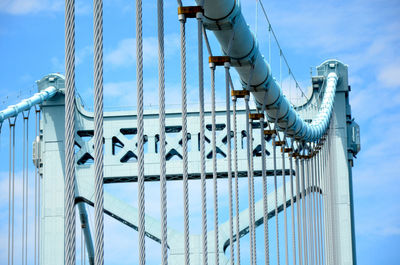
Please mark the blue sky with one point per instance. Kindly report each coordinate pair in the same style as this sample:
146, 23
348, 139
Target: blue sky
361, 33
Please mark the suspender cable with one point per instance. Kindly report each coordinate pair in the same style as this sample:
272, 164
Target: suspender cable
284, 201
229, 158
82, 251
11, 182
235, 158
23, 191
252, 191
317, 208
325, 203
317, 201
292, 203
182, 19
276, 199
13, 193
98, 133
202, 138
36, 186
315, 198
303, 204
27, 187
161, 98
251, 224
140, 127
312, 207
309, 213
308, 210
39, 195
298, 209
265, 190
69, 194
214, 159
320, 230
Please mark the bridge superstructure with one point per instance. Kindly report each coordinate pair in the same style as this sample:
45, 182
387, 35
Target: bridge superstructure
318, 139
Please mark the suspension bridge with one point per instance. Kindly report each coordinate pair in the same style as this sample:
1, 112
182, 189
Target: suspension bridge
297, 156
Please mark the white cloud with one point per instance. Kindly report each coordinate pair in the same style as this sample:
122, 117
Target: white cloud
390, 75
125, 52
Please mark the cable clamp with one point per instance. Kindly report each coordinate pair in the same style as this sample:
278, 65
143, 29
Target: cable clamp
219, 60
189, 11
279, 143
240, 93
286, 150
256, 116
270, 132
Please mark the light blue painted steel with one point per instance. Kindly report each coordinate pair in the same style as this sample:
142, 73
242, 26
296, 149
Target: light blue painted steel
120, 144
26, 104
225, 19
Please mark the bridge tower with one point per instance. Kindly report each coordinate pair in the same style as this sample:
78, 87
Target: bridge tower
120, 166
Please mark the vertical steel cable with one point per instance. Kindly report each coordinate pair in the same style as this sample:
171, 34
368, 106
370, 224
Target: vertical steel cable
317, 168
235, 158
11, 196
24, 143
315, 189
27, 187
276, 199
98, 133
140, 125
292, 204
313, 209
84, 252
81, 245
39, 196
249, 153
325, 203
303, 204
36, 190
265, 190
298, 208
327, 206
284, 202
252, 191
214, 159
69, 194
320, 196
202, 137
161, 98
309, 213
184, 141
318, 211
229, 158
